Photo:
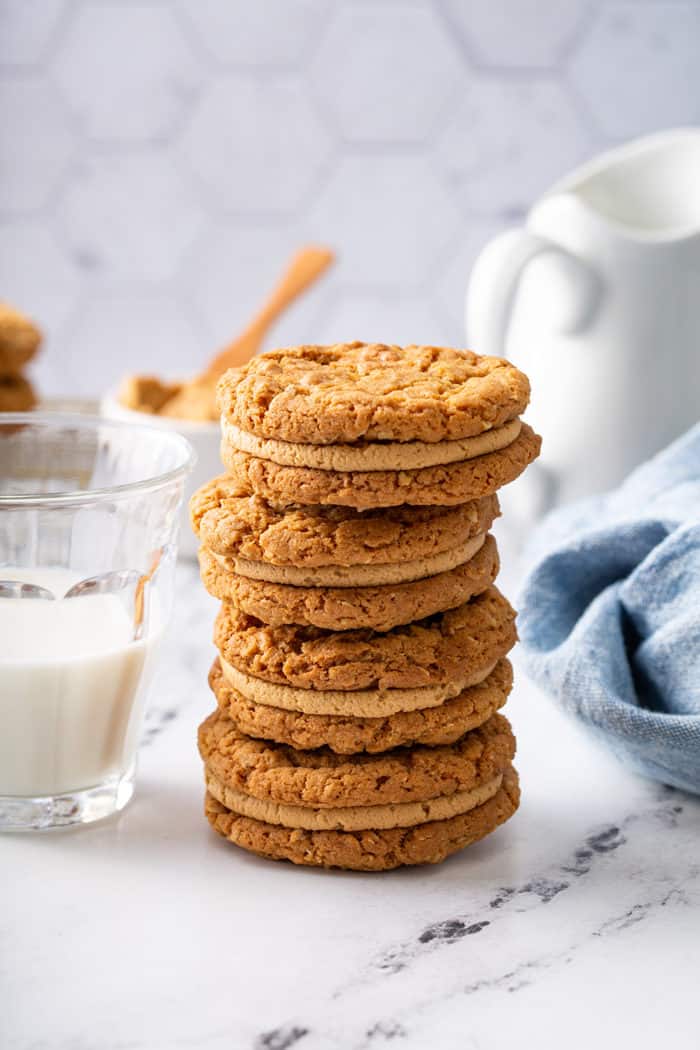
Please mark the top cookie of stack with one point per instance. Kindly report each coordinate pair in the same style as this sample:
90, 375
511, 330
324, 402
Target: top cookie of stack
19, 341
370, 426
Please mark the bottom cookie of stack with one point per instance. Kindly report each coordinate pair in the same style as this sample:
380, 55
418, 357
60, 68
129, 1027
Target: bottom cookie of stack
368, 812
368, 850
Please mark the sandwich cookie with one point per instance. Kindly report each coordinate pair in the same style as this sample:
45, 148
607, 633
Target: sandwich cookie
410, 667
364, 455
370, 393
236, 523
408, 806
445, 485
347, 733
349, 607
372, 850
255, 776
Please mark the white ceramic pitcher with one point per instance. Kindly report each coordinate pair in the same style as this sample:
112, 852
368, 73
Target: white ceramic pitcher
597, 298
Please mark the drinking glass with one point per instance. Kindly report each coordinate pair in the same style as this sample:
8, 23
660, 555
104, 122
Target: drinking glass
89, 513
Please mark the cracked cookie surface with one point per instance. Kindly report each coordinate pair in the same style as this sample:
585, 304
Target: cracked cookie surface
348, 392
433, 651
231, 519
321, 778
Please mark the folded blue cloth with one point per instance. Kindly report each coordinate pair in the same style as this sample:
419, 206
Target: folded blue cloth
610, 614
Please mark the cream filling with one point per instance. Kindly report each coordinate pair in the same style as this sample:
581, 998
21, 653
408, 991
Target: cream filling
361, 703
353, 575
351, 818
371, 455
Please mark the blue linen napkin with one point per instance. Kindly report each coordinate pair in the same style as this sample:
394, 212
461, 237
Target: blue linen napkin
610, 614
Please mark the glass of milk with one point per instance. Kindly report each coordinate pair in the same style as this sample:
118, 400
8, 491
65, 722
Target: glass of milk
80, 497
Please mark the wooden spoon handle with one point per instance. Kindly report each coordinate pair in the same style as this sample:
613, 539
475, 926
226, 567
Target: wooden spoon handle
306, 266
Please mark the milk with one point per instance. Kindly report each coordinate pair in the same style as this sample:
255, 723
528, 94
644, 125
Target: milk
72, 687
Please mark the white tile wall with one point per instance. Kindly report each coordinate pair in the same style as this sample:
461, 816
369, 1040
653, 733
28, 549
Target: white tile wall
519, 34
159, 159
371, 75
37, 271
117, 332
639, 67
35, 143
272, 34
390, 216
256, 144
126, 70
101, 211
26, 30
507, 140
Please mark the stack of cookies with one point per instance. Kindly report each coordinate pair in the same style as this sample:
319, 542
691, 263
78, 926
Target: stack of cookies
361, 641
19, 342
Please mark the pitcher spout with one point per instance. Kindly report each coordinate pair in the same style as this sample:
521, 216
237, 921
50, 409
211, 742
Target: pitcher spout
648, 189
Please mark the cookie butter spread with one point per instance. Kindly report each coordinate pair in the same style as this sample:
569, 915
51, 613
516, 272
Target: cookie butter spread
193, 400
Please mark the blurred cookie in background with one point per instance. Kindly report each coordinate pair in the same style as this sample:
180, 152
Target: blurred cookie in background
19, 341
16, 394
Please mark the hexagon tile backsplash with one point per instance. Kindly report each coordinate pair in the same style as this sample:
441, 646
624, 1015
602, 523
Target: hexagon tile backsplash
160, 160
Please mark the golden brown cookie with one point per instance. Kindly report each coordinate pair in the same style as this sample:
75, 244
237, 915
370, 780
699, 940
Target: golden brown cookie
444, 485
323, 779
347, 608
369, 850
347, 734
19, 341
232, 521
16, 394
434, 651
349, 392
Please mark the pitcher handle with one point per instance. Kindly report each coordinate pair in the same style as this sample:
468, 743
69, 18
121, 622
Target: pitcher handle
494, 282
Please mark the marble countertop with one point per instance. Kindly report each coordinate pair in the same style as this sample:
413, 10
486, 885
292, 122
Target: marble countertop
576, 924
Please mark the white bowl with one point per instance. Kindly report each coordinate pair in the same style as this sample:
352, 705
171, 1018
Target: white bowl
205, 439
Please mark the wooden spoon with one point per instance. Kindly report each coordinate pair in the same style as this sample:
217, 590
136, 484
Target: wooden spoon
194, 399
